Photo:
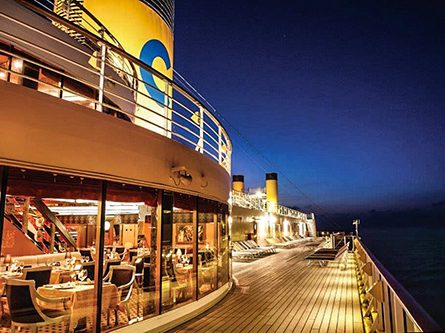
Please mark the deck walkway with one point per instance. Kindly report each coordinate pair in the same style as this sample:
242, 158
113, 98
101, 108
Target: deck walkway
281, 293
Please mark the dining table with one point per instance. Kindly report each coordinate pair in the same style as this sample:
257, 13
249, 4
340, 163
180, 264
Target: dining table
82, 295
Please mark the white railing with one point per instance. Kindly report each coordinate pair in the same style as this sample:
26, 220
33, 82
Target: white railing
286, 211
110, 78
386, 305
244, 200
253, 201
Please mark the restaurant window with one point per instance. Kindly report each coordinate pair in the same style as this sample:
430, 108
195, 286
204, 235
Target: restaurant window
4, 66
207, 246
48, 248
223, 245
49, 82
16, 75
130, 252
178, 239
79, 93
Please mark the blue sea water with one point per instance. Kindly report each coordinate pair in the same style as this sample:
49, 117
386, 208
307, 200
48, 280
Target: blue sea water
416, 257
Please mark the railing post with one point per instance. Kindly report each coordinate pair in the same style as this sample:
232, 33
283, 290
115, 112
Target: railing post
219, 144
103, 56
168, 104
201, 129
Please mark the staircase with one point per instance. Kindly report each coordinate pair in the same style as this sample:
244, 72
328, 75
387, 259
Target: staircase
43, 229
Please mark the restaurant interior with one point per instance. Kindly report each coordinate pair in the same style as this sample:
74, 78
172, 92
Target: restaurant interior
84, 254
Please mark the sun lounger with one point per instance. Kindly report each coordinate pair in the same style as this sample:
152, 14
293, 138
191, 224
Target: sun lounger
277, 243
267, 249
248, 247
324, 255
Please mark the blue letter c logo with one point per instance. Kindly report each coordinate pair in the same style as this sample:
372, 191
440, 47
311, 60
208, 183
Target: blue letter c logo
150, 51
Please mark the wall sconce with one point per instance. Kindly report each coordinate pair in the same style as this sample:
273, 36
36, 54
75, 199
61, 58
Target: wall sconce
180, 175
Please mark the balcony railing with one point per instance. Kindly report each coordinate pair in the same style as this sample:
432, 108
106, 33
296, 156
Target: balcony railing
244, 200
109, 79
252, 201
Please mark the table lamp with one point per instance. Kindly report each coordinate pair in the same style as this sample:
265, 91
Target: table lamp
8, 261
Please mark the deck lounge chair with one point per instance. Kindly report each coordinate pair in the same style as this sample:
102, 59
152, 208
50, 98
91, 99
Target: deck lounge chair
254, 245
239, 247
277, 243
325, 255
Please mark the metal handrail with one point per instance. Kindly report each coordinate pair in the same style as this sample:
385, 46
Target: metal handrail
403, 299
204, 136
244, 200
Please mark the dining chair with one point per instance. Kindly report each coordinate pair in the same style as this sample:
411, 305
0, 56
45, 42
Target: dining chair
86, 253
123, 277
25, 311
147, 274
41, 275
89, 267
138, 263
108, 264
179, 282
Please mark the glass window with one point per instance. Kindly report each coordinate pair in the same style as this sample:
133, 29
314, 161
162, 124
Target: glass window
207, 246
49, 238
223, 245
79, 93
49, 82
4, 66
178, 239
16, 71
131, 245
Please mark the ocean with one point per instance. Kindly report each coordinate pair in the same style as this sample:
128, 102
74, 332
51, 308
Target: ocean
416, 257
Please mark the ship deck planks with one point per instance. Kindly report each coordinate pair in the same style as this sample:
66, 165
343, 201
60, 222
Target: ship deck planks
281, 293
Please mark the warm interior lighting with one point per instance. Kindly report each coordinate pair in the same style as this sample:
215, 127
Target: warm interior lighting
107, 225
286, 228
112, 208
8, 259
17, 65
262, 227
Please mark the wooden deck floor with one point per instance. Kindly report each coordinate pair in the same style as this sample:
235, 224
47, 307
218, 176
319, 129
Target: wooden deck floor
281, 293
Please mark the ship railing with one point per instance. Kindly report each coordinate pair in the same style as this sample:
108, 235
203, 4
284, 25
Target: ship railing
252, 201
162, 106
386, 305
244, 200
286, 211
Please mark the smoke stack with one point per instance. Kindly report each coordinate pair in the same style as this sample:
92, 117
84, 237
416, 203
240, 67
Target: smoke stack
272, 192
238, 183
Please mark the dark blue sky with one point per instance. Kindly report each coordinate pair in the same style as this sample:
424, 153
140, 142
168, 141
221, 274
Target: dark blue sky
347, 98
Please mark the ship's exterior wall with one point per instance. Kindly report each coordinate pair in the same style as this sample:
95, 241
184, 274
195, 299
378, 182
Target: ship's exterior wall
46, 132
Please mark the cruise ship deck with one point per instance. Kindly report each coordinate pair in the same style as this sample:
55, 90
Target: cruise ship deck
281, 293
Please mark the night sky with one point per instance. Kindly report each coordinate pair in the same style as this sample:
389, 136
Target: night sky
345, 98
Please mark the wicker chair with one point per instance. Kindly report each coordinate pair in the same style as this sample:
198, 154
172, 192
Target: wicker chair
25, 311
